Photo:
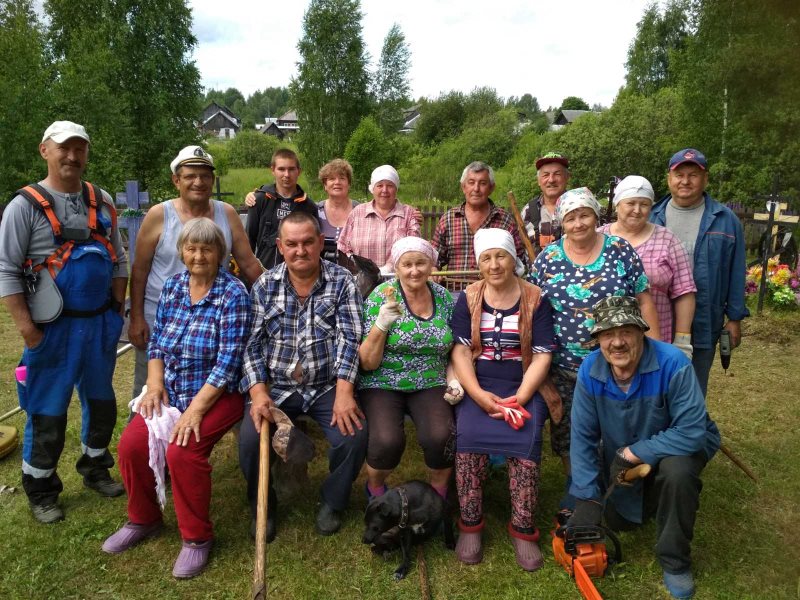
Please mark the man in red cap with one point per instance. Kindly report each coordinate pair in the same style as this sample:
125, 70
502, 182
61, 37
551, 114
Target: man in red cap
541, 224
714, 239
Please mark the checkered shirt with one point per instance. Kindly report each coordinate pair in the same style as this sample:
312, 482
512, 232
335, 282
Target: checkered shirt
322, 334
453, 238
366, 233
203, 342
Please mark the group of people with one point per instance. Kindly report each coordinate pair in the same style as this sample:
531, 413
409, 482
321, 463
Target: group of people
479, 367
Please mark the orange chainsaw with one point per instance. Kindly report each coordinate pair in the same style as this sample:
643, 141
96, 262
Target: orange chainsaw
582, 550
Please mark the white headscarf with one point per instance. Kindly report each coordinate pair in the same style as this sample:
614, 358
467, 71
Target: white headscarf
491, 238
412, 244
633, 186
577, 198
384, 173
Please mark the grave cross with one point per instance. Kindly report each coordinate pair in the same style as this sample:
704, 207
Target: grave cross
132, 217
219, 194
774, 216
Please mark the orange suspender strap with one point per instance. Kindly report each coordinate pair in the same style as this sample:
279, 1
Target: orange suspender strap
89, 192
35, 193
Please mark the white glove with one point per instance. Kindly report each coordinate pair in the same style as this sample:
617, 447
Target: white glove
388, 314
454, 392
683, 342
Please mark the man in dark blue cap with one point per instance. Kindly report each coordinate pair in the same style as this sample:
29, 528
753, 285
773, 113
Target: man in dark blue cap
714, 239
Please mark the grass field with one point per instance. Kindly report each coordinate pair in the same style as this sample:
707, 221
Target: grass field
745, 542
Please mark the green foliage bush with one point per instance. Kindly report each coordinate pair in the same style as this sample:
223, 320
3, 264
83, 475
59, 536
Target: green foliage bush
251, 149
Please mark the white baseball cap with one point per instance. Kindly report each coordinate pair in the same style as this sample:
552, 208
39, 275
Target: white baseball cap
192, 156
61, 131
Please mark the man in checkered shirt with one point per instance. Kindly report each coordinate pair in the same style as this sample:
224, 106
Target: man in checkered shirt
453, 236
302, 356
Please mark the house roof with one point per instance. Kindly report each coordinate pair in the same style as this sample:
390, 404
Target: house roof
569, 116
288, 116
233, 120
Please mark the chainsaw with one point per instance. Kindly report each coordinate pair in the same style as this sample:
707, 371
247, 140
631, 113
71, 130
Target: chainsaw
581, 550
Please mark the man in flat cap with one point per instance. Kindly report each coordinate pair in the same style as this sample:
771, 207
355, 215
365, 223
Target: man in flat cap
714, 240
539, 215
156, 257
63, 276
640, 399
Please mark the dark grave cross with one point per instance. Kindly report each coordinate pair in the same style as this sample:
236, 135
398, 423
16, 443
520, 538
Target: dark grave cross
775, 205
219, 194
131, 218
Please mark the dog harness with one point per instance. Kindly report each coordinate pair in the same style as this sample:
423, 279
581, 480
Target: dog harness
403, 508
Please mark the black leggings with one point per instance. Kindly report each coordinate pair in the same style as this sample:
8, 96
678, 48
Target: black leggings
386, 411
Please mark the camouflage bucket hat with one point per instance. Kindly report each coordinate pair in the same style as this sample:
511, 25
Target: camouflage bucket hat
616, 311
291, 444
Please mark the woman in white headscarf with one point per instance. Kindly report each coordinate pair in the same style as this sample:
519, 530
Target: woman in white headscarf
373, 227
503, 331
666, 263
404, 359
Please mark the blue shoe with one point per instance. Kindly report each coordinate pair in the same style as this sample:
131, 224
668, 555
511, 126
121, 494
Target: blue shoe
680, 585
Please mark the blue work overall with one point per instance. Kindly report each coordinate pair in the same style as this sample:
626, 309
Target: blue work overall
78, 349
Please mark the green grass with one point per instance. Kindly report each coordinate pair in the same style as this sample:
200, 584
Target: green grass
745, 539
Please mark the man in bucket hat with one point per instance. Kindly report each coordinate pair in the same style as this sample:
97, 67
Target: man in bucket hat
63, 276
641, 399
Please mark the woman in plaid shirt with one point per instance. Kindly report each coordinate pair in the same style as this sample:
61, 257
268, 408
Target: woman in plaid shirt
202, 323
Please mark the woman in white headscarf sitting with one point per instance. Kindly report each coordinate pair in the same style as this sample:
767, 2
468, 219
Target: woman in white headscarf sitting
404, 359
372, 227
503, 333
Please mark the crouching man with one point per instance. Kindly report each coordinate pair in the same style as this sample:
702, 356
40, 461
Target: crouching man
640, 398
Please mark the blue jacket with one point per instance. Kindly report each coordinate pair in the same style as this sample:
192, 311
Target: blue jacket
663, 414
719, 269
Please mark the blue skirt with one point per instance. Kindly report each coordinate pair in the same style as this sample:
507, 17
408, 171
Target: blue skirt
478, 433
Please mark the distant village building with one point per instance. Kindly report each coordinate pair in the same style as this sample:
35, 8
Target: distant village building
287, 123
270, 127
566, 117
218, 120
410, 119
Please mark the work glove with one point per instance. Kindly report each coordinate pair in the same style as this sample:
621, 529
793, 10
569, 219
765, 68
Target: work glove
618, 468
514, 414
587, 513
454, 392
683, 342
387, 315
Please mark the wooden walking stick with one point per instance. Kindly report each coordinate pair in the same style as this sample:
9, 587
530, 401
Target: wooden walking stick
512, 203
737, 461
259, 570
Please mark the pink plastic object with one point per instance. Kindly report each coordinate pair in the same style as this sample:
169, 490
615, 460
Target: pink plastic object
21, 373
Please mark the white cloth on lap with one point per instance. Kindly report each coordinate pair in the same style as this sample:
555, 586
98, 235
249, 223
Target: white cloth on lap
158, 429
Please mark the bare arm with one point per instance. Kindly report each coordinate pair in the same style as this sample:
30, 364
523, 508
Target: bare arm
464, 368
146, 242
648, 308
191, 418
240, 247
370, 352
534, 376
684, 312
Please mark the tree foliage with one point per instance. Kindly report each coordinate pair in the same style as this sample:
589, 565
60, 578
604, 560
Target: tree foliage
391, 87
24, 88
251, 149
574, 103
366, 149
330, 90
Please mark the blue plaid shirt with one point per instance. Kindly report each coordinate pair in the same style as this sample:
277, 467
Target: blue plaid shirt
322, 334
200, 343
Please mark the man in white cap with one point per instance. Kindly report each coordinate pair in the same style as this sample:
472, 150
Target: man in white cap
63, 276
156, 256
453, 235
714, 238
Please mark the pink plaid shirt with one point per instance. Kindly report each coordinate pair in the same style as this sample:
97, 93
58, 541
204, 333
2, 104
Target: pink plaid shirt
667, 267
368, 234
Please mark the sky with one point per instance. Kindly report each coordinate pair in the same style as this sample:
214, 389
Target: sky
548, 49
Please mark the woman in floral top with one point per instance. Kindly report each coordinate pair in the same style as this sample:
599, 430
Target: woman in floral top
575, 272
404, 361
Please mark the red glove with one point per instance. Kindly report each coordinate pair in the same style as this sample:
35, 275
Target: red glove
514, 414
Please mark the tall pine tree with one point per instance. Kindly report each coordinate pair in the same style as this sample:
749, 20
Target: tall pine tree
390, 85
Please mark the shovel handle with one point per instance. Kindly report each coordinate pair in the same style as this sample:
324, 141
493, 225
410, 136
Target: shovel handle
259, 570
638, 472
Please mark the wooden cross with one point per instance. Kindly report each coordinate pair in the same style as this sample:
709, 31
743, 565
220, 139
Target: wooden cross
134, 201
219, 194
774, 217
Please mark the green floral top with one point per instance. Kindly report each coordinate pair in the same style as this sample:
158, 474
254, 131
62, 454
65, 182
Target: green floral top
417, 350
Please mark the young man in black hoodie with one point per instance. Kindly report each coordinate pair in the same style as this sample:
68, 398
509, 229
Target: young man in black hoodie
269, 204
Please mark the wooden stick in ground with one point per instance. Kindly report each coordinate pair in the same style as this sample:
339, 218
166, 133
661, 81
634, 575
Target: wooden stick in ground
523, 234
737, 461
422, 567
260, 568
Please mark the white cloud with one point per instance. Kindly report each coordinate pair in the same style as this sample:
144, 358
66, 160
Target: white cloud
551, 50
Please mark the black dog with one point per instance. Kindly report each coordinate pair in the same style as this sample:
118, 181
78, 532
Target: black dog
404, 516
